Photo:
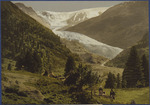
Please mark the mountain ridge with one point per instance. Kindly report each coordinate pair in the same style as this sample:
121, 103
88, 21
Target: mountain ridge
120, 26
61, 20
31, 12
142, 47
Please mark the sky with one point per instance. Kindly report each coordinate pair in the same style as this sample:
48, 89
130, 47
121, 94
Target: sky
66, 6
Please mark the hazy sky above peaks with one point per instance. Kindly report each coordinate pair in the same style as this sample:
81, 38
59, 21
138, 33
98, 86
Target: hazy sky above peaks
66, 6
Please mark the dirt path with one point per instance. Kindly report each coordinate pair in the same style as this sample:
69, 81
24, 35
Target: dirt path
103, 64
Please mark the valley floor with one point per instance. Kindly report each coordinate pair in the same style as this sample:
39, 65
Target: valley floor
36, 89
125, 96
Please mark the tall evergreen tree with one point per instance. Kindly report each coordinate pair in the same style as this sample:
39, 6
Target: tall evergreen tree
132, 68
28, 61
140, 75
133, 71
37, 62
118, 80
110, 82
92, 80
124, 82
70, 66
31, 62
145, 65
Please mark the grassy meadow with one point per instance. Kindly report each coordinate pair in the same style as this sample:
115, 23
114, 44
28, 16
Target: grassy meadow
21, 87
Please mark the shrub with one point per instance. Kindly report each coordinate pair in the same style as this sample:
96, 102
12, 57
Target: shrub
4, 78
12, 89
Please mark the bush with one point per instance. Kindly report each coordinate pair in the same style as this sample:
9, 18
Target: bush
4, 78
21, 93
42, 82
9, 66
12, 89
15, 89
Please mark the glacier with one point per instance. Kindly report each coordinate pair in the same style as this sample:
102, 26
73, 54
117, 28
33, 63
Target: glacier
90, 44
59, 20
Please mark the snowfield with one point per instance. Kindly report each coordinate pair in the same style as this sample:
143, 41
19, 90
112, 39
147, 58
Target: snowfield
57, 20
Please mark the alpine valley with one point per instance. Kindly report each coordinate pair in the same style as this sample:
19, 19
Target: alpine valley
53, 57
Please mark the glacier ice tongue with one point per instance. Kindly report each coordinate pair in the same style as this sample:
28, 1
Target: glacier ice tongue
90, 44
58, 20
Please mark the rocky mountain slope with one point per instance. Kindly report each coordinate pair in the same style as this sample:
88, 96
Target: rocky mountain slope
120, 26
32, 13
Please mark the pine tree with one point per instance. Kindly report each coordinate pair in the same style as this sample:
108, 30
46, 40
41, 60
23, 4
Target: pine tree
92, 79
28, 61
131, 71
110, 82
145, 65
118, 80
37, 66
140, 75
82, 76
72, 78
124, 82
70, 66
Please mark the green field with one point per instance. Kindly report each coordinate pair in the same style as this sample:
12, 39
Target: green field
125, 96
52, 91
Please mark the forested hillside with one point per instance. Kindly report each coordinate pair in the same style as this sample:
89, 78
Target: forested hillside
27, 42
142, 47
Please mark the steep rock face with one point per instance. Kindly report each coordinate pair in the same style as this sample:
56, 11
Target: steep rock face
120, 26
32, 13
63, 20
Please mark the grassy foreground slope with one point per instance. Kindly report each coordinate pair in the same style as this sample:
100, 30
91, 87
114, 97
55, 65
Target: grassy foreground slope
125, 96
22, 87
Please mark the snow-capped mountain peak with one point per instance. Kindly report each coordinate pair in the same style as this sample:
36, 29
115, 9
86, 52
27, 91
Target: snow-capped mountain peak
60, 20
